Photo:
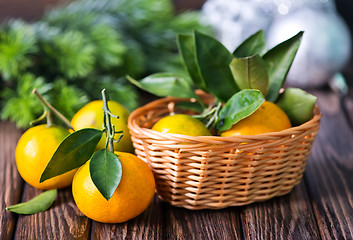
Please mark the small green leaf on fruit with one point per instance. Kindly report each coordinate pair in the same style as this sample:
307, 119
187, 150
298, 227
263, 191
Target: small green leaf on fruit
165, 84
297, 104
250, 73
72, 152
37, 204
239, 106
255, 44
106, 171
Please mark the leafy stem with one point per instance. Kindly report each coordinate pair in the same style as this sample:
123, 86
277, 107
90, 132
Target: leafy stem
77, 148
48, 110
108, 127
210, 114
214, 117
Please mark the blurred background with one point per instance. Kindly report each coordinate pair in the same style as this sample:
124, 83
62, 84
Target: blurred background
70, 50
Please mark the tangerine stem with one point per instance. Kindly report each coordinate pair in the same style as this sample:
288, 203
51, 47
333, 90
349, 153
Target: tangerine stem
50, 109
108, 128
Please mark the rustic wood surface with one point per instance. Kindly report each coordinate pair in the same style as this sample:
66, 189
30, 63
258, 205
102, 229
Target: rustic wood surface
320, 207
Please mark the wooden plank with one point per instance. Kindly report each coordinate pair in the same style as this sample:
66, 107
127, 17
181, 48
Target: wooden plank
329, 171
290, 216
148, 225
10, 181
62, 221
202, 224
286, 217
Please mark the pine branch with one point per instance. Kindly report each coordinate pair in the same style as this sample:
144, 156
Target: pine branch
67, 99
83, 47
21, 106
17, 43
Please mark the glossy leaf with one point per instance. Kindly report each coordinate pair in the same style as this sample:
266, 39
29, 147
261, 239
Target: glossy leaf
106, 171
187, 51
250, 73
214, 59
165, 84
37, 204
255, 44
297, 104
239, 106
278, 61
72, 152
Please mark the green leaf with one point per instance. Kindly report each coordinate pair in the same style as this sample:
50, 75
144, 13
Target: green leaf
255, 44
250, 73
39, 203
72, 152
214, 60
166, 84
279, 60
297, 104
106, 171
187, 51
239, 106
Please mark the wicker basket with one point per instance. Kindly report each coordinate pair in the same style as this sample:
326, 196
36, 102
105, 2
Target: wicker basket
211, 172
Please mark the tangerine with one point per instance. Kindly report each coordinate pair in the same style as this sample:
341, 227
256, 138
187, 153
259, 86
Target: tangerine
33, 152
91, 116
132, 196
267, 118
181, 124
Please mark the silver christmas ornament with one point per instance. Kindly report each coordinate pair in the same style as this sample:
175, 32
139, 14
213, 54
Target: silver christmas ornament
325, 48
235, 20
326, 44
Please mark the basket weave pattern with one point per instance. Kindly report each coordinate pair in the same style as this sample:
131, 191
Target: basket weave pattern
212, 172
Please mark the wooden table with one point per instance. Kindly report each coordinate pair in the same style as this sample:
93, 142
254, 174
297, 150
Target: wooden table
320, 207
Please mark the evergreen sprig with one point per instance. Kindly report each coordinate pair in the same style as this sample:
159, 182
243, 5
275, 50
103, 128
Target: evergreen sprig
71, 53
110, 47
86, 45
21, 106
68, 98
17, 43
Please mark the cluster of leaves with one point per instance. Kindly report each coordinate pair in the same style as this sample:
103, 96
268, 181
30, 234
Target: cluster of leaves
74, 151
240, 81
77, 49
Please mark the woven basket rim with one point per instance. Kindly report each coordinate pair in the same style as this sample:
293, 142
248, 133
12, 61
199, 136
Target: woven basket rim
162, 101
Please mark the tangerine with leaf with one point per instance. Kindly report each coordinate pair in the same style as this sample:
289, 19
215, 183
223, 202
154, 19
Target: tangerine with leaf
91, 116
132, 196
267, 118
36, 147
109, 187
240, 82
